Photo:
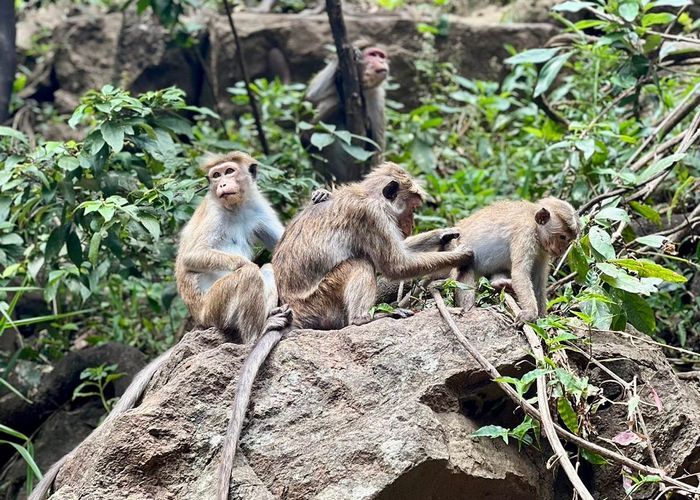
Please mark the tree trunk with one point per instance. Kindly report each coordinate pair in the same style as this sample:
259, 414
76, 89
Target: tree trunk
8, 56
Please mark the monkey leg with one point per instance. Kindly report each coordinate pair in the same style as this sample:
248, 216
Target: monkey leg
466, 297
343, 296
270, 286
237, 303
360, 292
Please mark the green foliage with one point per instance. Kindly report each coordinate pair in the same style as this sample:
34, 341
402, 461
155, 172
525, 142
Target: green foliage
95, 381
26, 451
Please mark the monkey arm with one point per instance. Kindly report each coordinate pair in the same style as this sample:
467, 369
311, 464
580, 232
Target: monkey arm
521, 276
431, 241
270, 229
394, 261
541, 288
202, 260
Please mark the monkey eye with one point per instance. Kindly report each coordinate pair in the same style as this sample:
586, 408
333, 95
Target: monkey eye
216, 175
229, 171
562, 237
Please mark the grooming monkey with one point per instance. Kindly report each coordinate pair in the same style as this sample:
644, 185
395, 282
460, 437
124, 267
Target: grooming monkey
215, 277
324, 93
327, 260
516, 239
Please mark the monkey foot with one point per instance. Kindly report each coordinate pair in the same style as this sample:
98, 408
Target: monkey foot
279, 318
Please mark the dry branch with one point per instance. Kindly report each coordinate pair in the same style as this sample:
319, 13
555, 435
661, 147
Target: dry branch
533, 412
249, 90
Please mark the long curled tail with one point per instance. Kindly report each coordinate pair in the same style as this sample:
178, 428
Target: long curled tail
280, 320
131, 396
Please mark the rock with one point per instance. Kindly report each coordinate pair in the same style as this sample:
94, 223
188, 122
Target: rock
135, 52
477, 50
381, 411
56, 390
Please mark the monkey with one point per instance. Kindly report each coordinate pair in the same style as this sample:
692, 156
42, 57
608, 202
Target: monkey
215, 277
324, 93
327, 260
337, 242
214, 274
513, 242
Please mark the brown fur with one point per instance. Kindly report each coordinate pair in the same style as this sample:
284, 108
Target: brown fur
323, 94
327, 260
517, 238
214, 273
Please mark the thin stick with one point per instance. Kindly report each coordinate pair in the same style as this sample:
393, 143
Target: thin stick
534, 413
543, 404
249, 90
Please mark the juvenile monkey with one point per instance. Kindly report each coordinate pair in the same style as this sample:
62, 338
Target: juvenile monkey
324, 93
517, 239
327, 260
214, 274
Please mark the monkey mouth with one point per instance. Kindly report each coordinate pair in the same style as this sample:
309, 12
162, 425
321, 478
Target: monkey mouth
230, 193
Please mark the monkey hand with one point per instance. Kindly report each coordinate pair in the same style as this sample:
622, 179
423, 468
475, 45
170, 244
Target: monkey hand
279, 318
319, 196
466, 255
525, 316
447, 235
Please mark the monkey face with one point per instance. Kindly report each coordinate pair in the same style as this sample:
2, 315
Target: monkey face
229, 182
375, 67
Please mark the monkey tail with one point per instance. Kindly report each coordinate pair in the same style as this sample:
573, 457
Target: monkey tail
131, 396
240, 404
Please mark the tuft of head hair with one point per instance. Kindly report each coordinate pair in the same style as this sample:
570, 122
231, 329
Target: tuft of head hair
395, 172
564, 212
211, 160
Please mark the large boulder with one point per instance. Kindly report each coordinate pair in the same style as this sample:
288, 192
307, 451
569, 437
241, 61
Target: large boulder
381, 411
95, 48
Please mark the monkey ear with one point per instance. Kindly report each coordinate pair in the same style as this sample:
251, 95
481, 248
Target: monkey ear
391, 190
253, 169
542, 216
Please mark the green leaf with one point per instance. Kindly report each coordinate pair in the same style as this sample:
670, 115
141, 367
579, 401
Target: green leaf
549, 73
659, 166
601, 242
578, 262
619, 279
571, 6
356, 152
532, 56
68, 163
12, 388
567, 414
592, 458
26, 456
107, 212
612, 213
649, 269
56, 240
659, 18
646, 211
639, 313
75, 250
653, 240
113, 135
11, 432
668, 3
492, 431
587, 147
320, 140
629, 10
15, 134
151, 225
94, 248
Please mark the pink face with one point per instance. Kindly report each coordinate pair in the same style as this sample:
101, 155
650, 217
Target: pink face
228, 183
375, 67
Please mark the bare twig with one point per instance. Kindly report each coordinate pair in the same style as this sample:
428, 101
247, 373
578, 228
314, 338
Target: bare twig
249, 90
543, 404
533, 412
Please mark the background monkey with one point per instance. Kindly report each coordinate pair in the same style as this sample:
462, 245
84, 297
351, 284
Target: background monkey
327, 260
215, 277
517, 238
324, 94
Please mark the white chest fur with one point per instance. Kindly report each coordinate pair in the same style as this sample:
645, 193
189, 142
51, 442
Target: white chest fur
236, 236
